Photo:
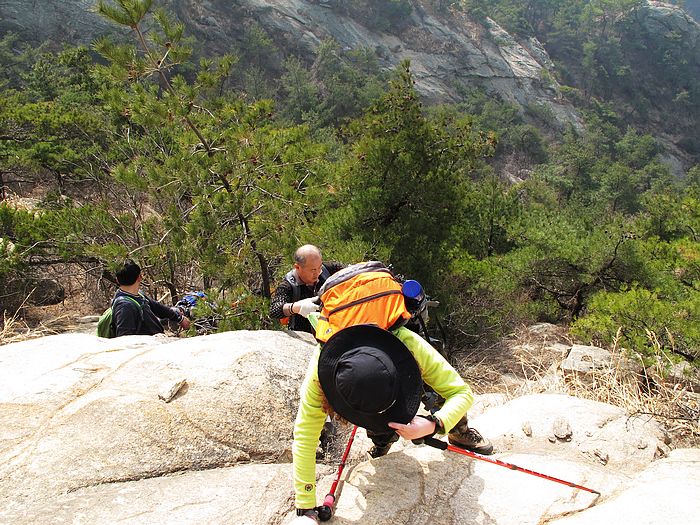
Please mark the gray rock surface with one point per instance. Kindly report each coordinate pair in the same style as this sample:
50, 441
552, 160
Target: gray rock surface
660, 18
79, 411
585, 359
408, 488
85, 438
245, 494
666, 493
591, 428
56, 20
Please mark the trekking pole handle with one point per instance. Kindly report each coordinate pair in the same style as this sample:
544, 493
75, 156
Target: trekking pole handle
434, 442
329, 501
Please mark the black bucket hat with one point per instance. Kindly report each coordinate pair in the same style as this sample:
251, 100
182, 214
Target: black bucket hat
369, 377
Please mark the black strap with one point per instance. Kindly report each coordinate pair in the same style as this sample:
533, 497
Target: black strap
325, 274
291, 278
351, 271
364, 300
296, 285
132, 300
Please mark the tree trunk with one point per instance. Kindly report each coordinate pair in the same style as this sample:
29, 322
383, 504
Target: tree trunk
264, 267
171, 283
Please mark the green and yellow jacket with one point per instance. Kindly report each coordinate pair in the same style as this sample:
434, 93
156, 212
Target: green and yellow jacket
436, 372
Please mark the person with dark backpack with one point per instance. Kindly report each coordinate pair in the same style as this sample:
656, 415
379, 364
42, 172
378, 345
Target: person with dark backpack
135, 314
292, 300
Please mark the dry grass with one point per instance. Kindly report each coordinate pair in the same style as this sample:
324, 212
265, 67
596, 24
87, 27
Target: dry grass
527, 363
15, 329
643, 390
523, 357
11, 329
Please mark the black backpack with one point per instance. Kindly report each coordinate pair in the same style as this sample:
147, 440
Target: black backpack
105, 324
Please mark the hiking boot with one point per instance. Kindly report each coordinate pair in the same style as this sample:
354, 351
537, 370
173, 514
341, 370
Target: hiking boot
382, 443
469, 438
377, 452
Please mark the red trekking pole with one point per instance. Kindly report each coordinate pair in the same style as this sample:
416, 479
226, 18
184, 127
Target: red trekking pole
325, 511
445, 446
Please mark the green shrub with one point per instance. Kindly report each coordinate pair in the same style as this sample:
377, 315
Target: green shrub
642, 316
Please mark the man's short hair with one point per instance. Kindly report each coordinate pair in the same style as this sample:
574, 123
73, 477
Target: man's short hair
128, 273
303, 252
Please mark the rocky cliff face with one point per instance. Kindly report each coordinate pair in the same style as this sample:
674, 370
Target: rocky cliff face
652, 28
445, 53
660, 20
448, 51
69, 21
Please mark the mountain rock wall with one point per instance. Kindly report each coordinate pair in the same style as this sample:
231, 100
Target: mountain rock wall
447, 53
450, 52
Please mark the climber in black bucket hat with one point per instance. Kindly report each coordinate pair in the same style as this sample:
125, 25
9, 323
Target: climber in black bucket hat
374, 379
370, 378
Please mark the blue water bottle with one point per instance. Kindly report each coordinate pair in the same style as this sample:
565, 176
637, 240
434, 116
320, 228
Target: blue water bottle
414, 295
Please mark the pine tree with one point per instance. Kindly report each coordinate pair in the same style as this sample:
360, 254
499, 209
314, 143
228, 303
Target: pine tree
405, 184
216, 186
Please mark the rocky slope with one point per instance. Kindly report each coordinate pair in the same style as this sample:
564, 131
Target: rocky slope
156, 430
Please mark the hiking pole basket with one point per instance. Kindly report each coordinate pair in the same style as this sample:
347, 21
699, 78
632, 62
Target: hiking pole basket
325, 511
433, 442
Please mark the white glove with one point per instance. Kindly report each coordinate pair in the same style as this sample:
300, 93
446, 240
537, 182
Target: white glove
306, 306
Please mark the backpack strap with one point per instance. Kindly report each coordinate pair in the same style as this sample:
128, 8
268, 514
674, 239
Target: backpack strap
351, 271
360, 301
296, 285
325, 274
132, 300
137, 303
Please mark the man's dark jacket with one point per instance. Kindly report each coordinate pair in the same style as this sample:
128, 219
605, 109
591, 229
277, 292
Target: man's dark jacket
128, 319
287, 292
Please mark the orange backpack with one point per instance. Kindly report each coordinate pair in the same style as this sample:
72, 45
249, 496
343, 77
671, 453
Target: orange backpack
363, 293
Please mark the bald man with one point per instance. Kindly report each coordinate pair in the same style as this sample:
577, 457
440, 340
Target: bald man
302, 282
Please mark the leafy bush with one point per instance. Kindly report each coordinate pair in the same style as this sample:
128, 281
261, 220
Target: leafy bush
643, 316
